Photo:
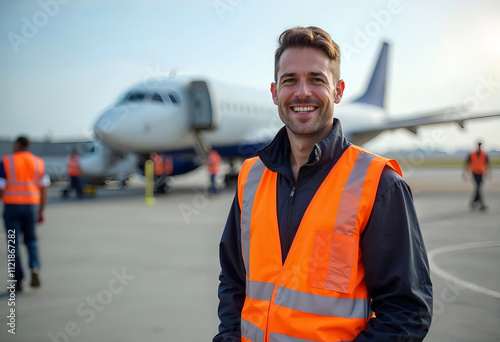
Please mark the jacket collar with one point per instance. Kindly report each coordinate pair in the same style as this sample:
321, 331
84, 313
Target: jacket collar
276, 155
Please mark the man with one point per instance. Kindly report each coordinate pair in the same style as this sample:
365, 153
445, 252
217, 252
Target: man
23, 187
161, 167
322, 242
213, 161
477, 164
168, 166
75, 174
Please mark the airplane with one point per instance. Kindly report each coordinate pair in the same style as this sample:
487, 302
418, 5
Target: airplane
187, 116
98, 164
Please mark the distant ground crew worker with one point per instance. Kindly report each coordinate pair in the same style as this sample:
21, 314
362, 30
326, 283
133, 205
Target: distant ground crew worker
75, 174
322, 242
477, 165
160, 185
158, 163
23, 187
168, 165
213, 161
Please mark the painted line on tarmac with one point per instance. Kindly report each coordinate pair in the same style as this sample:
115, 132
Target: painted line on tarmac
457, 281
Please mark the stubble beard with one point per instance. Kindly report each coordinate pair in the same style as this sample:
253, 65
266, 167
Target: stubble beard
304, 127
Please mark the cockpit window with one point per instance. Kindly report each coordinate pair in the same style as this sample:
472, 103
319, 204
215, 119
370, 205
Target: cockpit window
173, 97
156, 97
139, 96
135, 96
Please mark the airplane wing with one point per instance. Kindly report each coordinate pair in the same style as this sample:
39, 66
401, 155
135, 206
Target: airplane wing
459, 117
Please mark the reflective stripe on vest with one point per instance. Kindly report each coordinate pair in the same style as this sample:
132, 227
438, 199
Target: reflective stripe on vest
254, 334
306, 302
320, 290
21, 186
251, 185
351, 195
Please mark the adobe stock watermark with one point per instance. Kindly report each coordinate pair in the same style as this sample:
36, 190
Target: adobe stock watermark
484, 89
448, 294
222, 7
199, 202
262, 136
363, 36
154, 76
57, 168
89, 308
31, 26
107, 124
426, 149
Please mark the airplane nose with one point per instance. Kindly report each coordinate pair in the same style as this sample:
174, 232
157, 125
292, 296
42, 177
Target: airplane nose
106, 125
140, 128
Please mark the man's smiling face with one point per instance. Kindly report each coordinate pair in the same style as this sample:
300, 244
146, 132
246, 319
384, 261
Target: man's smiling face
306, 92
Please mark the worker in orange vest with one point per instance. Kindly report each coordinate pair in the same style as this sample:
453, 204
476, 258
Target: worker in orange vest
23, 189
322, 242
158, 164
163, 167
75, 174
168, 165
213, 161
477, 166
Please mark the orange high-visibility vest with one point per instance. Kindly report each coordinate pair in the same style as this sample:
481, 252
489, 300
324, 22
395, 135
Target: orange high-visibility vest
213, 162
319, 293
23, 172
74, 166
158, 162
477, 163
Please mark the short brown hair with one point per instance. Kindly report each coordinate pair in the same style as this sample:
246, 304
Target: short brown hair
308, 37
23, 142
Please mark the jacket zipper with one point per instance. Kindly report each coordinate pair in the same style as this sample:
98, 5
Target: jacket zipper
288, 228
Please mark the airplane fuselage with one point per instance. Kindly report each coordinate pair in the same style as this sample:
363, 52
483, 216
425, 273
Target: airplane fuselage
156, 117
182, 116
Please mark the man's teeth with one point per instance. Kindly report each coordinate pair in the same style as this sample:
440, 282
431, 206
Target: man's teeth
303, 109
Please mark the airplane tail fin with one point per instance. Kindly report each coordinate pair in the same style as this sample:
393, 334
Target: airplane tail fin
375, 93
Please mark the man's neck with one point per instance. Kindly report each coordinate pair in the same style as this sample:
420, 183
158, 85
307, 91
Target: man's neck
299, 155
301, 148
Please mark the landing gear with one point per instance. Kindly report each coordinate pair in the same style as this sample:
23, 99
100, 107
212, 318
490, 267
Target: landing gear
161, 185
123, 184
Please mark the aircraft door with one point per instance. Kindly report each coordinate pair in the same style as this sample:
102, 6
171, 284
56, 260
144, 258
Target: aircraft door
203, 116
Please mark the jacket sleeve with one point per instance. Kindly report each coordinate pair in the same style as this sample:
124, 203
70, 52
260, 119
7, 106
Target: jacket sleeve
396, 266
232, 279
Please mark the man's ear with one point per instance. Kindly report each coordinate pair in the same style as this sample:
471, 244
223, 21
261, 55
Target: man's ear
274, 93
339, 90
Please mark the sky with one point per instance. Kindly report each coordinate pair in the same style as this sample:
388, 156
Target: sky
64, 61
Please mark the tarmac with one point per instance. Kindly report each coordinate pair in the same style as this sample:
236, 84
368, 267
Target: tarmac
116, 269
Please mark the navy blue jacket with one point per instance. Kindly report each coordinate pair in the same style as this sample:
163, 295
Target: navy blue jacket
396, 266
